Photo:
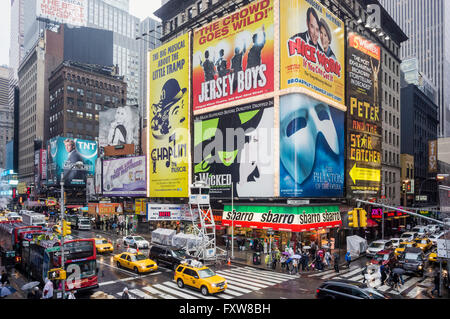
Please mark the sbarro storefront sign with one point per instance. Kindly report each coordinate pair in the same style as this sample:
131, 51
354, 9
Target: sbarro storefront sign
294, 219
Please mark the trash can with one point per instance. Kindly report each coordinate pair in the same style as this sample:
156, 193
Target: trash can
257, 258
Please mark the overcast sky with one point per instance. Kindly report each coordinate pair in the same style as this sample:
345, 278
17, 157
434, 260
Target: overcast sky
139, 8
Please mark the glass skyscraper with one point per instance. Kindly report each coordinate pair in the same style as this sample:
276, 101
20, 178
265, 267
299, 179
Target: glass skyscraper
427, 24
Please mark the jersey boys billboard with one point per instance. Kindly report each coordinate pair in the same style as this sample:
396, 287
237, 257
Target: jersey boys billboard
363, 118
234, 148
312, 45
233, 58
168, 115
311, 148
63, 153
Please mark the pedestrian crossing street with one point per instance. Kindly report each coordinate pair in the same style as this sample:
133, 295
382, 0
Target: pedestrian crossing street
355, 274
240, 281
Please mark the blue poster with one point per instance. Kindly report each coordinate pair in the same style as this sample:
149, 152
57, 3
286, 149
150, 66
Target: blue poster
311, 148
74, 159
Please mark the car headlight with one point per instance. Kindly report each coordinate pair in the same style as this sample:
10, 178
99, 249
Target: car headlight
214, 285
420, 267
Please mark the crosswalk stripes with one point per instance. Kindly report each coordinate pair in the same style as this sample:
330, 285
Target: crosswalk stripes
415, 292
240, 281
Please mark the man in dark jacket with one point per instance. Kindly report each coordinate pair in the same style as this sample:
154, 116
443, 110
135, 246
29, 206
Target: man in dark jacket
311, 36
437, 282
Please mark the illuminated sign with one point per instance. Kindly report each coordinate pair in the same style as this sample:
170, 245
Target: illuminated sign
364, 133
377, 213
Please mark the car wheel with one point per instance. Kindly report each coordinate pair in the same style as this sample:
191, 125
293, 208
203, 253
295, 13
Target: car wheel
118, 264
204, 290
180, 283
136, 270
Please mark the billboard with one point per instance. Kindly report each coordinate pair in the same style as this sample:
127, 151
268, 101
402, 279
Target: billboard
118, 126
311, 148
72, 12
168, 113
168, 212
234, 148
364, 126
125, 177
432, 156
63, 153
233, 57
312, 48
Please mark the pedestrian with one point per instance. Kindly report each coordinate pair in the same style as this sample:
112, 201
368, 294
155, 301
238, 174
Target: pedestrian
437, 282
4, 279
294, 268
37, 294
30, 294
125, 294
71, 295
395, 281
383, 274
305, 261
283, 261
364, 272
48, 289
313, 249
328, 258
336, 263
348, 258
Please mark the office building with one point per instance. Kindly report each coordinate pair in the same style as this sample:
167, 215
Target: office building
6, 114
427, 25
77, 93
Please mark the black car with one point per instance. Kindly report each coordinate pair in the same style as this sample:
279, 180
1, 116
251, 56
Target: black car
167, 255
348, 289
412, 260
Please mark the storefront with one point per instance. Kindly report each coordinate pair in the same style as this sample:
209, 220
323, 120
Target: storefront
290, 225
395, 222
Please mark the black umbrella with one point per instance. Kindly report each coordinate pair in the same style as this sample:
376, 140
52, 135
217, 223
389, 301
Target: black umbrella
399, 271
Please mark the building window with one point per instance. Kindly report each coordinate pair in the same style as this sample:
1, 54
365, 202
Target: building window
80, 114
89, 94
96, 117
89, 116
190, 10
80, 103
88, 105
80, 92
70, 101
70, 89
98, 107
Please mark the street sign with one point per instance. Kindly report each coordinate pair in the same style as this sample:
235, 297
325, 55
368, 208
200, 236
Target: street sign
443, 248
365, 174
58, 253
422, 198
298, 202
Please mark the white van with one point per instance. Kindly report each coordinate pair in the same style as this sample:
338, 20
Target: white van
34, 219
420, 230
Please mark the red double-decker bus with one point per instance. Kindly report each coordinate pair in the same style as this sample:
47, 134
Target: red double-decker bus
40, 256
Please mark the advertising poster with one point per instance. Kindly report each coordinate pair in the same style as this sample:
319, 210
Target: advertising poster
312, 49
125, 177
432, 156
98, 176
63, 153
364, 139
119, 126
72, 12
282, 218
234, 148
168, 114
311, 148
43, 164
162, 212
233, 57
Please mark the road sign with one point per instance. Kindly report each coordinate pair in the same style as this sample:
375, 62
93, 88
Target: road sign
298, 202
443, 248
365, 174
422, 198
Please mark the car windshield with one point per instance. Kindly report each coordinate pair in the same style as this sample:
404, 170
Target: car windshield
206, 273
380, 257
411, 256
374, 294
138, 238
101, 241
84, 221
138, 257
376, 245
179, 253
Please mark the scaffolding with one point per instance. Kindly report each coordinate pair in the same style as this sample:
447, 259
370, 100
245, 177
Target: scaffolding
203, 223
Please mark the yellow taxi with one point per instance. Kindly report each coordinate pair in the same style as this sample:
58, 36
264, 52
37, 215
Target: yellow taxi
194, 274
103, 245
3, 219
424, 243
404, 244
134, 260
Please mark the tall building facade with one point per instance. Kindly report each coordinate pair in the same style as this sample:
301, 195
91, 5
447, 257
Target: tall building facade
149, 34
78, 92
126, 50
6, 114
427, 25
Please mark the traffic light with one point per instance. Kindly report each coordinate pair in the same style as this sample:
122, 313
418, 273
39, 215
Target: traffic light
66, 228
14, 193
57, 274
28, 192
403, 187
362, 217
353, 218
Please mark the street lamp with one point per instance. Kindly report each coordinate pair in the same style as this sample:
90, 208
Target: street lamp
78, 165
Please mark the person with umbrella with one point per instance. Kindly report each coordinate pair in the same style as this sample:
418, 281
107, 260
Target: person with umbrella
6, 291
399, 272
